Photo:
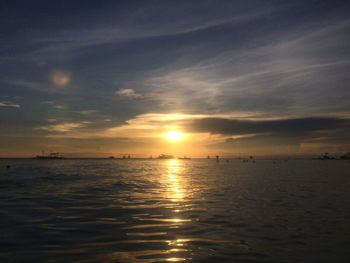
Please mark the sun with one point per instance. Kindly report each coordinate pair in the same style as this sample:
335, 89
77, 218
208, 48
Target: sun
175, 136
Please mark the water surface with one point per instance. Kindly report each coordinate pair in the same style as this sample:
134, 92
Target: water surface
174, 210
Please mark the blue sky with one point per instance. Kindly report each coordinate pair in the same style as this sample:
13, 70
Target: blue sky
103, 76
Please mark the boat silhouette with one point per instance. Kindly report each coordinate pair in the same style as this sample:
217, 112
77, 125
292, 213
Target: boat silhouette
50, 156
165, 156
184, 158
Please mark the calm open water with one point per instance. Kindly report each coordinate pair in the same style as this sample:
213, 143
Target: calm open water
174, 210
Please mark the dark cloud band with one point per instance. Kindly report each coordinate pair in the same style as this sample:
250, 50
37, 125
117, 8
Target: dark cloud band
288, 127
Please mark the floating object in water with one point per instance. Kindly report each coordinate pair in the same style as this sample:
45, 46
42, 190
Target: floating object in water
8, 166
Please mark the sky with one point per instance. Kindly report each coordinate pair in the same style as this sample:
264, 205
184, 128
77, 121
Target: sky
100, 78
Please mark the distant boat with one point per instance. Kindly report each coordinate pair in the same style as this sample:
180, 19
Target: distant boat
326, 156
184, 158
111, 157
165, 156
50, 156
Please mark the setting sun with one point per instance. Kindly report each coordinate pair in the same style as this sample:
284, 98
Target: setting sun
174, 136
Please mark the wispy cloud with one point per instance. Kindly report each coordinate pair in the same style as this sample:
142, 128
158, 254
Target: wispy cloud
9, 104
41, 86
139, 25
54, 104
63, 127
289, 74
88, 112
129, 93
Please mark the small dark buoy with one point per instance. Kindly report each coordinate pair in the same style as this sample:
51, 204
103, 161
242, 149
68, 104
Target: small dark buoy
8, 166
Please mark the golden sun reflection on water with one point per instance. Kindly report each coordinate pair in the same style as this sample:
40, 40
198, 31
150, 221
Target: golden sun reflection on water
158, 230
176, 191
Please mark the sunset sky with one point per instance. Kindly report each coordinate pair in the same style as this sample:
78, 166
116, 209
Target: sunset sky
95, 78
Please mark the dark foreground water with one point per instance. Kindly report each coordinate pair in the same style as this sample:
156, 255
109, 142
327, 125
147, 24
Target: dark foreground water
174, 210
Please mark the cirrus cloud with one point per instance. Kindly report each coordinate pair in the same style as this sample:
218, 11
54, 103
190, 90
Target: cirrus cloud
9, 104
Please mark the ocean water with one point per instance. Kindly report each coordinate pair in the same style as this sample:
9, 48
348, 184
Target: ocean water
174, 210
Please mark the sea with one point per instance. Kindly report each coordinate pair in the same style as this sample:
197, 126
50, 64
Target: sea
198, 210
